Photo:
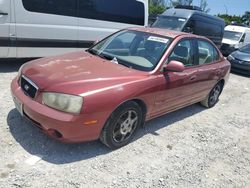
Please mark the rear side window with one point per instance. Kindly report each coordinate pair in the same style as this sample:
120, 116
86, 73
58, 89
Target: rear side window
124, 11
58, 7
207, 29
207, 52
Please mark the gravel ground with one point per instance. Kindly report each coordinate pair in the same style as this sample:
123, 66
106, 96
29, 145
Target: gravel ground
192, 147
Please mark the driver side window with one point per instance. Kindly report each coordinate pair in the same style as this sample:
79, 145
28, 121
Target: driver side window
183, 53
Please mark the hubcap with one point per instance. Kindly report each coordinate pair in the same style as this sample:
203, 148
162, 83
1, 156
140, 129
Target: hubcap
125, 126
215, 95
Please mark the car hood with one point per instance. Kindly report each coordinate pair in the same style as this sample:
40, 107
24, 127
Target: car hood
241, 55
78, 72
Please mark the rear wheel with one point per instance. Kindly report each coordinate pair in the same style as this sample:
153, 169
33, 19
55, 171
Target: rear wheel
213, 96
122, 125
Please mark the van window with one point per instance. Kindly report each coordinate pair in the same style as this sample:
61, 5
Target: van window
169, 22
207, 29
207, 52
232, 35
59, 7
124, 11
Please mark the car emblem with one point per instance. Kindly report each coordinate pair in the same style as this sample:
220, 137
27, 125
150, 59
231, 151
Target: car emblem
26, 87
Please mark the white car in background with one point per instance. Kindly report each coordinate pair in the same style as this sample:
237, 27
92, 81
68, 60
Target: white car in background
234, 38
38, 28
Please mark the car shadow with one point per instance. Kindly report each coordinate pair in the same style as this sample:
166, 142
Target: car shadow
12, 65
239, 74
37, 143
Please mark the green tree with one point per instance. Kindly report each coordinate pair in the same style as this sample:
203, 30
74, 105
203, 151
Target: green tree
229, 18
157, 2
246, 18
156, 7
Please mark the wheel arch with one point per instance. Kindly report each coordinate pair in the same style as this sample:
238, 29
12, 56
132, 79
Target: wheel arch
222, 82
138, 101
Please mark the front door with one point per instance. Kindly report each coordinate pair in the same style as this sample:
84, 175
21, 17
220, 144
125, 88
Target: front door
4, 28
179, 89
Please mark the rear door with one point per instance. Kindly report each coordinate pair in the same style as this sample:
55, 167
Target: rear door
45, 27
209, 66
4, 27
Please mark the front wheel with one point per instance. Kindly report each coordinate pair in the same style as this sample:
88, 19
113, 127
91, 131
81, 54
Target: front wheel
122, 125
213, 96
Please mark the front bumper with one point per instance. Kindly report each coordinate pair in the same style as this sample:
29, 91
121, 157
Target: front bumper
62, 126
240, 67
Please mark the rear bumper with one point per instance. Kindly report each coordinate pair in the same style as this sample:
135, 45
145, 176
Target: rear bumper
62, 126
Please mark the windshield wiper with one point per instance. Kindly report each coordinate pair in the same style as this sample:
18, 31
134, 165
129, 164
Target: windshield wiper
105, 56
102, 55
92, 51
120, 62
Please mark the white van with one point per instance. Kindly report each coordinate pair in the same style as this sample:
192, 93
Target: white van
234, 38
38, 28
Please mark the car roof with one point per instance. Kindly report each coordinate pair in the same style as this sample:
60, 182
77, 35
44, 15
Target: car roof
162, 32
186, 13
237, 28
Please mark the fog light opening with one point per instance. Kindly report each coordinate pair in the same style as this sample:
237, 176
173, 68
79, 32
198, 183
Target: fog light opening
54, 133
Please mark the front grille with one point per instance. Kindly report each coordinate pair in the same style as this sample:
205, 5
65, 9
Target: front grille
28, 87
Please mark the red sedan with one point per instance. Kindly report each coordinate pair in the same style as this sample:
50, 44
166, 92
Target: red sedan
108, 91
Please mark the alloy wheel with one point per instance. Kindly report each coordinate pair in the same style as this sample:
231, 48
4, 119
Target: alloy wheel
125, 126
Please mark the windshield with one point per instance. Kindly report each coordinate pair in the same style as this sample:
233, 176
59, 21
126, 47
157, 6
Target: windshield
168, 22
245, 49
138, 50
232, 35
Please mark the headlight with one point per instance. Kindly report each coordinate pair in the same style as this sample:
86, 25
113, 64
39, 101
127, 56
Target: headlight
230, 57
63, 102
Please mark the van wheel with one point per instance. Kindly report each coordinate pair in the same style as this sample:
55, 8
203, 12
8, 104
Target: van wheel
213, 96
121, 126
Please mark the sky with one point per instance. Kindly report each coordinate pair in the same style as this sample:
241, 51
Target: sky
232, 7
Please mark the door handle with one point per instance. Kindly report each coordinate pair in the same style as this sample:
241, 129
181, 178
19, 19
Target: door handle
3, 13
193, 78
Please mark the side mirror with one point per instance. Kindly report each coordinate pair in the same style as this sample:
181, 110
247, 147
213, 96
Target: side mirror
174, 66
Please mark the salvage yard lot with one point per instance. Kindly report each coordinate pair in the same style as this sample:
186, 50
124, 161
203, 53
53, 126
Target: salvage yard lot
192, 147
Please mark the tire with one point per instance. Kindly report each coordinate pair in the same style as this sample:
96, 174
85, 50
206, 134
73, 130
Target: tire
213, 96
122, 125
